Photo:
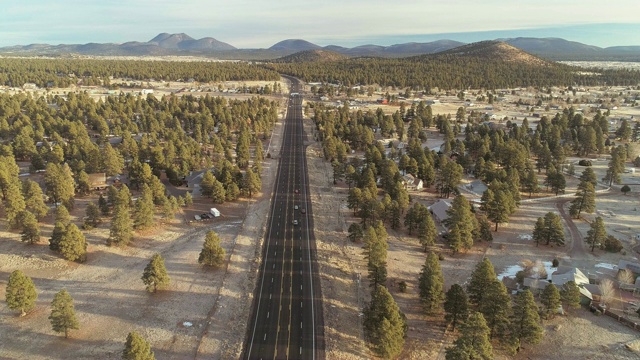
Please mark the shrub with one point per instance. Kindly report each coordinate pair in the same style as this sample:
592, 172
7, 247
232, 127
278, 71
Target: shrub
402, 285
584, 162
555, 263
612, 244
440, 256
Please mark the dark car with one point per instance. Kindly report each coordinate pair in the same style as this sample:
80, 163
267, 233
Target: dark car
303, 211
205, 216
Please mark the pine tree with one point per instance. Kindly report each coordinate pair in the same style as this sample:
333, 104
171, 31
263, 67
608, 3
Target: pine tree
596, 234
218, 193
251, 182
484, 231
20, 293
59, 229
473, 342
63, 315
212, 253
84, 186
570, 294
103, 205
461, 224
30, 229
431, 282
73, 245
121, 231
144, 209
456, 305
585, 200
495, 306
92, 213
124, 197
498, 204
588, 176
34, 199
427, 231
554, 230
207, 184
384, 323
525, 321
539, 231
188, 199
550, 298
14, 204
62, 215
376, 253
59, 183
155, 274
137, 348
481, 277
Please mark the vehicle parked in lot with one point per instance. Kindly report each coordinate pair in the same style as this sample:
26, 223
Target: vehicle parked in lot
205, 216
197, 217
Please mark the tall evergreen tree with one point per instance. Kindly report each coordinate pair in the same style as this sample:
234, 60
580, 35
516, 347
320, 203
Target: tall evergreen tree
20, 293
34, 199
384, 324
461, 224
481, 277
550, 299
92, 213
456, 305
63, 315
585, 200
570, 294
137, 348
121, 231
207, 184
376, 253
212, 253
427, 231
596, 234
431, 283
495, 306
144, 209
525, 321
473, 342
155, 274
59, 183
14, 204
218, 193
251, 182
30, 229
73, 245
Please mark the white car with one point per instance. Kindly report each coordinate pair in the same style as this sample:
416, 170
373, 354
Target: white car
295, 222
295, 207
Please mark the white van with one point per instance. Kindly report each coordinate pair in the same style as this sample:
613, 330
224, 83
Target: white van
215, 212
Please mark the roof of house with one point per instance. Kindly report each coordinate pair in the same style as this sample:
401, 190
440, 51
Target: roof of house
564, 274
97, 179
439, 209
477, 187
633, 266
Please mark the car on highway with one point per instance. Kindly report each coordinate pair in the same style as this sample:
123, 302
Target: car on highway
303, 211
296, 191
295, 222
295, 207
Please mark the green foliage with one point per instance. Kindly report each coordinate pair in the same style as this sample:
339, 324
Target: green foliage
34, 199
525, 321
431, 282
481, 277
92, 214
218, 193
550, 299
473, 342
30, 229
625, 189
461, 224
137, 348
612, 244
207, 184
384, 324
212, 253
121, 231
20, 293
596, 234
570, 294
448, 177
376, 253
585, 200
426, 230
73, 245
59, 184
355, 232
63, 315
549, 229
456, 305
188, 199
495, 306
155, 274
144, 209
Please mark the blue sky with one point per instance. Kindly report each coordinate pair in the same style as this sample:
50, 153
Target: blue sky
260, 24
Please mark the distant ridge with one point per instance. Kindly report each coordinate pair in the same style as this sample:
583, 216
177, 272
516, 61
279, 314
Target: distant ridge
495, 50
183, 44
316, 55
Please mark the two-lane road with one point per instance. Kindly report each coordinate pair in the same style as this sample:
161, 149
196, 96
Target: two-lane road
286, 320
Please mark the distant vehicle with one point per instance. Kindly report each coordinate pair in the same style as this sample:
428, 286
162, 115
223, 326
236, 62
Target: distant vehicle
205, 216
296, 191
197, 217
304, 211
295, 207
295, 222
215, 212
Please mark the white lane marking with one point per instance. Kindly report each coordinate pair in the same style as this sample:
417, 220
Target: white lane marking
267, 314
265, 336
272, 280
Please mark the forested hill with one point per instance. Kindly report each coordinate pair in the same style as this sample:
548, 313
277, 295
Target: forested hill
311, 56
488, 64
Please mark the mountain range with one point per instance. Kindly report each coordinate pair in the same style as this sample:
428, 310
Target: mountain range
183, 44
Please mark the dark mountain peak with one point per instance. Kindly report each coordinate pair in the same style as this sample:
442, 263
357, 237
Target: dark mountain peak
551, 45
170, 41
311, 56
294, 45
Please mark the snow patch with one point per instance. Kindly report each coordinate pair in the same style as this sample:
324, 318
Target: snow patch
525, 237
511, 271
607, 266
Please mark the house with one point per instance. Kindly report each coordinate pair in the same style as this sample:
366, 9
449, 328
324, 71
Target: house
411, 182
477, 187
561, 276
439, 210
97, 181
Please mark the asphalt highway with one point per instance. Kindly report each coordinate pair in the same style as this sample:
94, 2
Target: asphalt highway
286, 321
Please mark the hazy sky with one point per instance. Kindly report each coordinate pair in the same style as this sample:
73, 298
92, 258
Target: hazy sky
261, 23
